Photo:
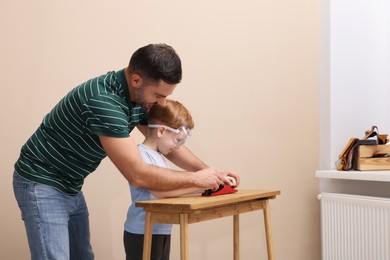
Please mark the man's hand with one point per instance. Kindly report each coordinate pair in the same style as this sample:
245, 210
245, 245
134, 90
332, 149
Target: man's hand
211, 178
232, 179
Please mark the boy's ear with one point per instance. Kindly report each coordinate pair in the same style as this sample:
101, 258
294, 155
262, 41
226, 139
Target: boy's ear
160, 131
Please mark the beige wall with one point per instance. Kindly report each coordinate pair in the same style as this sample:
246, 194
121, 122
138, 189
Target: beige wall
250, 80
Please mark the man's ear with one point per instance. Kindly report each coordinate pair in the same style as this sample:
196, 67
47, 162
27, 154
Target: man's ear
136, 80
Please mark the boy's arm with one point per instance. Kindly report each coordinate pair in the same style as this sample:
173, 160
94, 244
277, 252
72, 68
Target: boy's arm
185, 159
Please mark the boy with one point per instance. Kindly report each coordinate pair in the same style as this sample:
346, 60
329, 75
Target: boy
169, 127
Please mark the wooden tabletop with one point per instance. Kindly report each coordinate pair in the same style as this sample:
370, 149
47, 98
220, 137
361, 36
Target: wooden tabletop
198, 202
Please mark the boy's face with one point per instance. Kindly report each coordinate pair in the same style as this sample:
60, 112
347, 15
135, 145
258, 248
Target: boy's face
166, 142
169, 139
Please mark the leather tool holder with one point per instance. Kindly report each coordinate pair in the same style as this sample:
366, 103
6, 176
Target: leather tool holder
347, 158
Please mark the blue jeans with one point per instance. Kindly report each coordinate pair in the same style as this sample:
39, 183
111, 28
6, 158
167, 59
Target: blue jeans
57, 224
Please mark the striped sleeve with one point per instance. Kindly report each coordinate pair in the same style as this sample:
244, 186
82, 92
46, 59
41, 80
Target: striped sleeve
107, 115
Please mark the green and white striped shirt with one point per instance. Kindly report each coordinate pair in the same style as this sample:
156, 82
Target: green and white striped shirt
66, 147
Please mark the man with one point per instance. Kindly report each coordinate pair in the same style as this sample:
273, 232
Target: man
91, 122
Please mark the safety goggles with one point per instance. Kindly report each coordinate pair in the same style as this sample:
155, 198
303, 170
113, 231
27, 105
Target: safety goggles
181, 134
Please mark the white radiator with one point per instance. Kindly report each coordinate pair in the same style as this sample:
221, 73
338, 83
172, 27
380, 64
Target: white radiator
354, 227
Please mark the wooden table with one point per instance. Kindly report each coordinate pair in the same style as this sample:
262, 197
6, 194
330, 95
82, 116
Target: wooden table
187, 210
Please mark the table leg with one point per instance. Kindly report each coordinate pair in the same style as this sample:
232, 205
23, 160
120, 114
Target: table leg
236, 237
268, 234
147, 236
184, 236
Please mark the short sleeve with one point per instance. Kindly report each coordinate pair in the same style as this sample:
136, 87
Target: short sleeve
107, 115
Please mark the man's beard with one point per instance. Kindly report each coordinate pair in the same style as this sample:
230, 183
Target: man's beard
139, 96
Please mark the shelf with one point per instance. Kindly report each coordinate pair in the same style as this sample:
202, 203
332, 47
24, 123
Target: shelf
380, 176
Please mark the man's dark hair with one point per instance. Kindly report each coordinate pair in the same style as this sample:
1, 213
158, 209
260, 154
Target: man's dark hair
157, 61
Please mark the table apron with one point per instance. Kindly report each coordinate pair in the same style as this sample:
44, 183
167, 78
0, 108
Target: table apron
198, 215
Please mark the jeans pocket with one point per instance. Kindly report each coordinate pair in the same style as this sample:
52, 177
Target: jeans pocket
20, 192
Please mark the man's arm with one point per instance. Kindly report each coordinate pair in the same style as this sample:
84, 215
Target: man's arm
124, 153
176, 193
188, 161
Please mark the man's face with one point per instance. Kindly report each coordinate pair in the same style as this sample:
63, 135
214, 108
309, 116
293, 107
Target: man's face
149, 94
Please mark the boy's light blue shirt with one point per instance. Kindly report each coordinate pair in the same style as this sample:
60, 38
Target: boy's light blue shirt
135, 221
